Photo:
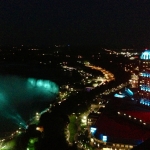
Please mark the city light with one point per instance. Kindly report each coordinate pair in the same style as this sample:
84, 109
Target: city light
93, 130
41, 129
104, 139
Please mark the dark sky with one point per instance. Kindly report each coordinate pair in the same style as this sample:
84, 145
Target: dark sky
92, 22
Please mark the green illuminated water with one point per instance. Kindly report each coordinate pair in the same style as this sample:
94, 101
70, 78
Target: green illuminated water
20, 98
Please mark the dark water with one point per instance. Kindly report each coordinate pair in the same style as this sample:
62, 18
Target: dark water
21, 98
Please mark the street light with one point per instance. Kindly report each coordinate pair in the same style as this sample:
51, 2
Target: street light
84, 117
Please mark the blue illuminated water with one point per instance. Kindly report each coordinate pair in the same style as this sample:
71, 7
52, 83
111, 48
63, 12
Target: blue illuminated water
21, 98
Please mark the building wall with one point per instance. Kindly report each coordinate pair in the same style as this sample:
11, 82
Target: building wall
144, 78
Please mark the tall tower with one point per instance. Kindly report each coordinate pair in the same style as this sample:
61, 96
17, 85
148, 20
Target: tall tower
144, 78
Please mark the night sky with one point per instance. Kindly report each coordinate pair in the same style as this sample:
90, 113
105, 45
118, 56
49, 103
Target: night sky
85, 22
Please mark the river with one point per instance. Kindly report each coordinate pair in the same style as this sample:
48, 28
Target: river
21, 98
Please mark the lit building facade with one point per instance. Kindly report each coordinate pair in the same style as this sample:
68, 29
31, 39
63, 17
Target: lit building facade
144, 78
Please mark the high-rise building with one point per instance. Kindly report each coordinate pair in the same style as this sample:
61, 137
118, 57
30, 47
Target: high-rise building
144, 78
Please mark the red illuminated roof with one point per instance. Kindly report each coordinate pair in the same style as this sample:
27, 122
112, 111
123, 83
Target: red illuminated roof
120, 128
